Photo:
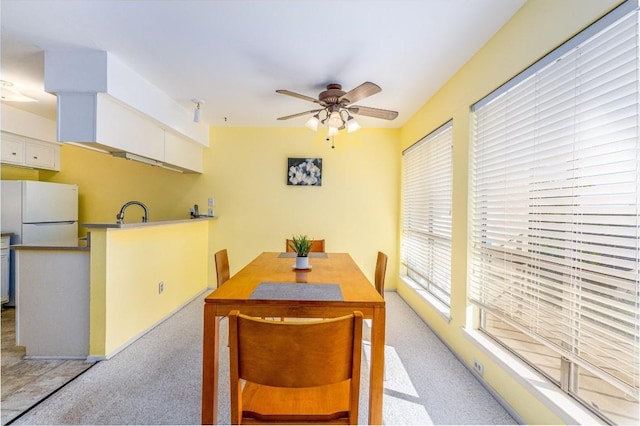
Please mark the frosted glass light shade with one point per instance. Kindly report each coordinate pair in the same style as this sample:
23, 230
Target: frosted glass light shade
352, 125
312, 123
335, 120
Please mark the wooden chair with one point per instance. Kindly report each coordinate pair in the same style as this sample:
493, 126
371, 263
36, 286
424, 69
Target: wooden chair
222, 267
381, 270
316, 246
295, 372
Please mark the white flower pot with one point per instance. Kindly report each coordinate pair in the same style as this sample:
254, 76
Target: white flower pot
302, 262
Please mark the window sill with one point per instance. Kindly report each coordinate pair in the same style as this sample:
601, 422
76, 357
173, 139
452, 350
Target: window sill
561, 404
443, 310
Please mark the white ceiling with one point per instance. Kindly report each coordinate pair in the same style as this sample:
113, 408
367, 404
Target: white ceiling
235, 54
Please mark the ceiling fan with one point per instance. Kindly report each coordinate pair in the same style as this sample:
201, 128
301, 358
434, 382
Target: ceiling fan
337, 107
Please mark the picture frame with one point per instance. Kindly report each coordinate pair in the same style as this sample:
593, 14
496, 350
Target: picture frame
304, 171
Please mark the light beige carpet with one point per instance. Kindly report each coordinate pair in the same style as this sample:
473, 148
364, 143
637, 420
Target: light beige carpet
157, 380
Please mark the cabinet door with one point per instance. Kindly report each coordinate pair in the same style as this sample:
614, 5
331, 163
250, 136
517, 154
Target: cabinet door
27, 152
12, 149
4, 270
182, 153
123, 129
41, 155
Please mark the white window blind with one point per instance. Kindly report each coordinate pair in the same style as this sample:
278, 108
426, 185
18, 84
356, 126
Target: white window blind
555, 189
426, 225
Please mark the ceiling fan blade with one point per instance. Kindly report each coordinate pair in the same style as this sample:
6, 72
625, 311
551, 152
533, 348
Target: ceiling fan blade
297, 95
300, 114
373, 112
364, 90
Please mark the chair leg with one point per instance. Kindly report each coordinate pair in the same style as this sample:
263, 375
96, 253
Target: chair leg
368, 323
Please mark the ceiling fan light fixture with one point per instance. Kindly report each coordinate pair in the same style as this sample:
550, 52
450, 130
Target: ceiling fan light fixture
335, 120
352, 125
337, 107
312, 122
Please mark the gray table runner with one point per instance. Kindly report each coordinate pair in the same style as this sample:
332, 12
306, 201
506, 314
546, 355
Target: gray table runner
293, 254
297, 291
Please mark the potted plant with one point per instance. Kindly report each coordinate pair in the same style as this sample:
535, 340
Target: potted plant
301, 244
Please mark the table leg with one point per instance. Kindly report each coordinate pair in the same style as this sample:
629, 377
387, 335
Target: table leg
210, 365
376, 381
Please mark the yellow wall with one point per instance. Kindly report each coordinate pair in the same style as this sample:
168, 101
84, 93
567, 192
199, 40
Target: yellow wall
17, 173
127, 266
106, 183
355, 210
537, 28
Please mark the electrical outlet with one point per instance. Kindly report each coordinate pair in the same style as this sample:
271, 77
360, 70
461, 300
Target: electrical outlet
478, 367
160, 287
210, 202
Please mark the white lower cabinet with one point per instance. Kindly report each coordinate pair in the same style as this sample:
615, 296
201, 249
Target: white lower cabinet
52, 301
4, 269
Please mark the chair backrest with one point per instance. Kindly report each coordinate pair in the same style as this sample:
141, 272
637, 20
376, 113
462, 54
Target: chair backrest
316, 246
284, 354
222, 266
381, 270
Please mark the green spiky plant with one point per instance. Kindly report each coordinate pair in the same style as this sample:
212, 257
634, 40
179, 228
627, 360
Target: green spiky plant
301, 244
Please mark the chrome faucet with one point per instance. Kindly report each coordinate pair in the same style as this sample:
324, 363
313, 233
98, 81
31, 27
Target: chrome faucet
120, 216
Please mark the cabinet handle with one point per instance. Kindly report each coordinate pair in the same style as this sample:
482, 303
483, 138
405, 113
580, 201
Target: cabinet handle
14, 153
35, 158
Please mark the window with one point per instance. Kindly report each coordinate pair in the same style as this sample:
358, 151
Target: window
426, 225
555, 238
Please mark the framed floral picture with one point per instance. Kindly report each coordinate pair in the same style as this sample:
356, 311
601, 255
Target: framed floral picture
304, 171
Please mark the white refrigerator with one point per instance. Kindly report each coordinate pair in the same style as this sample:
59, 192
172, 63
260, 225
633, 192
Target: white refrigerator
38, 213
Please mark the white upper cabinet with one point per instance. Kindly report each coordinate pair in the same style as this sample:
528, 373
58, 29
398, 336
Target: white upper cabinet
105, 104
182, 153
27, 152
120, 128
103, 122
12, 149
41, 155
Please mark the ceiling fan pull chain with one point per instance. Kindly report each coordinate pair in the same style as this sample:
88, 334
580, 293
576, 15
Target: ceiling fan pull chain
332, 141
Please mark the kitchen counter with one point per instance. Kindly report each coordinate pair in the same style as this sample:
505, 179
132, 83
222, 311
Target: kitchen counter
140, 274
91, 302
51, 247
144, 224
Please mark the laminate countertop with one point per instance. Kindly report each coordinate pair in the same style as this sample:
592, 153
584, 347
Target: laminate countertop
51, 247
144, 224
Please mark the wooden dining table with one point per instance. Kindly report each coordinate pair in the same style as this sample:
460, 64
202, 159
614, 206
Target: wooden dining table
270, 286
